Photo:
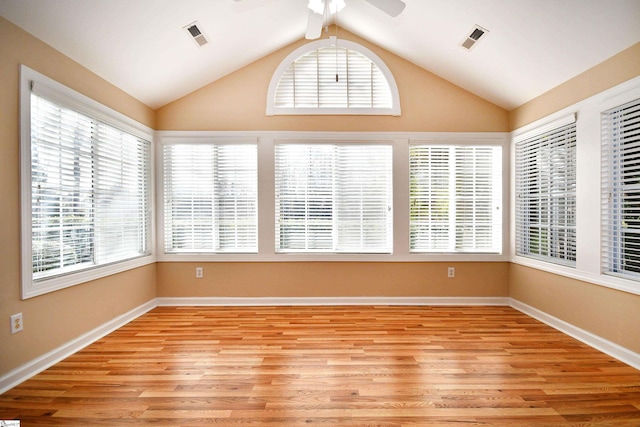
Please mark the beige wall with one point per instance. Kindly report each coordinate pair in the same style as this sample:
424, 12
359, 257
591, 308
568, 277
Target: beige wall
334, 279
56, 318
603, 311
617, 69
238, 102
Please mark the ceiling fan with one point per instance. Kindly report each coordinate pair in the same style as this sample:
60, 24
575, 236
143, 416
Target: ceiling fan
320, 10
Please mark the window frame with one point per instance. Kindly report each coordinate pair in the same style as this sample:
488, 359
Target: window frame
400, 142
272, 110
97, 111
588, 266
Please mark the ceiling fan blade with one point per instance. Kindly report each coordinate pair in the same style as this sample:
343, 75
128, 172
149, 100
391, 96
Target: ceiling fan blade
390, 7
314, 25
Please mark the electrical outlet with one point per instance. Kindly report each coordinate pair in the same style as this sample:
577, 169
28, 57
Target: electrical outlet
16, 323
451, 272
199, 273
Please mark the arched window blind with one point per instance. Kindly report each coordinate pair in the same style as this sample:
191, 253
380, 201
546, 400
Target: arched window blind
333, 77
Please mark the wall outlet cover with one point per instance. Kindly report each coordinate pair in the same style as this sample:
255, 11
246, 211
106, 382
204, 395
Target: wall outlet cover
16, 323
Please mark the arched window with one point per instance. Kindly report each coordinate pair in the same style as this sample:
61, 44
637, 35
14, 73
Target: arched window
331, 76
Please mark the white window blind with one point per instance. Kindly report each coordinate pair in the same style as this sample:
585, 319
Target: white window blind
210, 198
546, 193
621, 190
333, 198
90, 190
333, 77
455, 198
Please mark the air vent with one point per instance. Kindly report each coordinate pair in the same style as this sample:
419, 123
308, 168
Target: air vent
196, 34
473, 37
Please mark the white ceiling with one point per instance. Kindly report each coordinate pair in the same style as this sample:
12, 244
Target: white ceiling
141, 46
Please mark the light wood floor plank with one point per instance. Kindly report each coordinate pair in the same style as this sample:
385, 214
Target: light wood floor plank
340, 366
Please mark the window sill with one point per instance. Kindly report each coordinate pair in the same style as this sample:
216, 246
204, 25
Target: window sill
301, 111
32, 289
333, 257
612, 282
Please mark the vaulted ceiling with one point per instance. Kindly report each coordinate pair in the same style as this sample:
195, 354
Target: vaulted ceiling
141, 46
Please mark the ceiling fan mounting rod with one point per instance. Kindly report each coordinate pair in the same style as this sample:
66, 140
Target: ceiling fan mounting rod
320, 10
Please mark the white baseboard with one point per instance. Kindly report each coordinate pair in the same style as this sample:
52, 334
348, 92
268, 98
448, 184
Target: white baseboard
284, 301
608, 347
28, 370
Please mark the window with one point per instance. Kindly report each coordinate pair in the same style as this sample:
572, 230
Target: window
621, 190
86, 189
333, 76
333, 198
329, 195
455, 198
210, 197
546, 192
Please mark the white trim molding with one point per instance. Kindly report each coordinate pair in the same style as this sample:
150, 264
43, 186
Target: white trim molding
608, 347
39, 364
332, 301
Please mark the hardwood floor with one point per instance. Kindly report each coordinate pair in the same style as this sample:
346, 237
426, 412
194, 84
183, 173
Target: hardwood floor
342, 366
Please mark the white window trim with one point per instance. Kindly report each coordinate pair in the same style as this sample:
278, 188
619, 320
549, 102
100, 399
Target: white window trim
323, 43
400, 142
98, 111
588, 265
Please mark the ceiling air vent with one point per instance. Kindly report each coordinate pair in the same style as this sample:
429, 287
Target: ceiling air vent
196, 34
473, 37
